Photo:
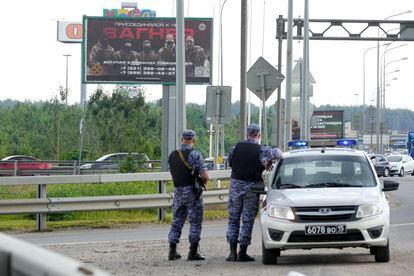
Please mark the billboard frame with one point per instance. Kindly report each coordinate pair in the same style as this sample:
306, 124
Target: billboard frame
84, 50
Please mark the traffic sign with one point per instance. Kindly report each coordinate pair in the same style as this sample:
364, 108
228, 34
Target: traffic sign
262, 73
218, 104
297, 73
356, 122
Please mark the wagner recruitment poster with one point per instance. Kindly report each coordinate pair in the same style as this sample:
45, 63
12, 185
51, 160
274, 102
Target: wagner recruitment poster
142, 50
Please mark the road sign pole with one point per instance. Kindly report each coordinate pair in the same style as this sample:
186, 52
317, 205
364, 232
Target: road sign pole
217, 133
262, 78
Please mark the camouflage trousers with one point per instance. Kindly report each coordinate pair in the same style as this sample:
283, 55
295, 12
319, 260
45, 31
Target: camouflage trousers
185, 204
242, 205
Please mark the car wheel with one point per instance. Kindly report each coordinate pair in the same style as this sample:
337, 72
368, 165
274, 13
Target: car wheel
269, 256
386, 172
401, 172
372, 250
382, 253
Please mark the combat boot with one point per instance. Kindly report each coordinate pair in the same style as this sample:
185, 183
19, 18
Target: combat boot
193, 254
242, 256
173, 254
233, 252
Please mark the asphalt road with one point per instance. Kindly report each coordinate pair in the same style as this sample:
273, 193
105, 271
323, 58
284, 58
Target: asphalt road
142, 250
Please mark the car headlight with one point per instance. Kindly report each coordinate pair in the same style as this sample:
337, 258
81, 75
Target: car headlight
368, 210
281, 212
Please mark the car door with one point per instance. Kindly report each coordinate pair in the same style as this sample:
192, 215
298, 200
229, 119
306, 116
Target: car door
410, 163
382, 163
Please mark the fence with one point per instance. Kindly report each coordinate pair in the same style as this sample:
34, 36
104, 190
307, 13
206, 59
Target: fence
44, 205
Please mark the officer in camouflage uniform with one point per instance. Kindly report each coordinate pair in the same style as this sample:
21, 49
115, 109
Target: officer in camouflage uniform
187, 202
247, 159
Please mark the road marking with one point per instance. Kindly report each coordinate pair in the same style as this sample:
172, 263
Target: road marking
94, 242
403, 224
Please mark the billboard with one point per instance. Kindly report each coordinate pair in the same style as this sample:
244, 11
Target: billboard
69, 32
142, 50
327, 125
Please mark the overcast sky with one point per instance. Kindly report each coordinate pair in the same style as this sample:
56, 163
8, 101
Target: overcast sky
32, 65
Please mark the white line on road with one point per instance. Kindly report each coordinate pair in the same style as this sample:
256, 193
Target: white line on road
137, 240
403, 224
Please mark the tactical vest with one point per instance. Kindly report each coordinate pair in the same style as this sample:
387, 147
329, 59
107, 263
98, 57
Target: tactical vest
181, 175
245, 163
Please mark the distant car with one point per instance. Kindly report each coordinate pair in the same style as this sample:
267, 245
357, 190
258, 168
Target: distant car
401, 164
381, 164
24, 163
113, 161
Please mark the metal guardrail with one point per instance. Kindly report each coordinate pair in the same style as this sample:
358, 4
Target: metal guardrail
44, 205
24, 259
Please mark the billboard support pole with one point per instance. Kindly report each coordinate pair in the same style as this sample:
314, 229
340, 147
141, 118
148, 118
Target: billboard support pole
168, 143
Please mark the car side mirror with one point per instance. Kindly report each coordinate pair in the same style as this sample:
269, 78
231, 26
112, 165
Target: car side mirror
390, 185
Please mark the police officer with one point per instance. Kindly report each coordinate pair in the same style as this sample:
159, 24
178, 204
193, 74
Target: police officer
247, 159
187, 200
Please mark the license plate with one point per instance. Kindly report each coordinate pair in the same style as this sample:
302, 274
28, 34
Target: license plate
325, 229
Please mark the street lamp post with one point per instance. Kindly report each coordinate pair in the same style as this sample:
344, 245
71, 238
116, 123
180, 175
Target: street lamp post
364, 86
378, 117
67, 74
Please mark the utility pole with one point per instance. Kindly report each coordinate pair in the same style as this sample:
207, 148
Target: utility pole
67, 74
243, 60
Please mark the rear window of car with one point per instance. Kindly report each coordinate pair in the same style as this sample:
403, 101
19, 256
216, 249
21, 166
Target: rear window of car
395, 158
331, 170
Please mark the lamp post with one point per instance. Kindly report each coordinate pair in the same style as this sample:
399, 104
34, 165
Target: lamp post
383, 75
378, 117
221, 42
363, 84
67, 67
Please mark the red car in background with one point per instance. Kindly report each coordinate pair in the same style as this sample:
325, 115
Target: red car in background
26, 165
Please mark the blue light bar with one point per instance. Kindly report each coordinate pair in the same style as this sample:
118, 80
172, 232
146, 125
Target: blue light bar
346, 142
298, 144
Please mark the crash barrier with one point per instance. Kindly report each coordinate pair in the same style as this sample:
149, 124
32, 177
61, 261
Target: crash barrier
24, 259
65, 167
44, 205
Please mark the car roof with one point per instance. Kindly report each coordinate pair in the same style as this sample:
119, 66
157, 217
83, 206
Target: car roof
120, 153
324, 151
18, 156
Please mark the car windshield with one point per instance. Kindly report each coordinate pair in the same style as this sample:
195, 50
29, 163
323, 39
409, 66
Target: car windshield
394, 158
323, 171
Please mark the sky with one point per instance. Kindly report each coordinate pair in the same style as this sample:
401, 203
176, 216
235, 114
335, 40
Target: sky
31, 54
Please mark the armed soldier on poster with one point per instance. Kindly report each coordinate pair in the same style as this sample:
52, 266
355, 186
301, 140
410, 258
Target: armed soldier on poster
167, 53
147, 54
195, 59
101, 52
127, 53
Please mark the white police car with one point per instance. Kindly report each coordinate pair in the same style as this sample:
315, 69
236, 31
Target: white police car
325, 198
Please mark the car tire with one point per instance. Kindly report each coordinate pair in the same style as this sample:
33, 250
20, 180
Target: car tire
386, 172
269, 256
372, 250
382, 253
401, 172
